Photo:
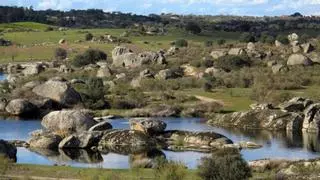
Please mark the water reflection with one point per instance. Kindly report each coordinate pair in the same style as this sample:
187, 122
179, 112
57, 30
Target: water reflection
288, 145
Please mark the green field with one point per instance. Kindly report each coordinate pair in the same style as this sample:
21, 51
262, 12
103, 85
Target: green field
39, 45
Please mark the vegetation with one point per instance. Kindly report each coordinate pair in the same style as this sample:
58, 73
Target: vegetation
60, 54
224, 164
89, 57
181, 43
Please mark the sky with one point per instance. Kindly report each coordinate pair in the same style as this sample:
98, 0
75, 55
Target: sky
201, 7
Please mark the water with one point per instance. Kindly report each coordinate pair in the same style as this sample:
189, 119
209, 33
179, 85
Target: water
275, 145
2, 76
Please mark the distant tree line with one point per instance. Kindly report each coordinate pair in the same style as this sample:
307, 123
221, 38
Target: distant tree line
96, 18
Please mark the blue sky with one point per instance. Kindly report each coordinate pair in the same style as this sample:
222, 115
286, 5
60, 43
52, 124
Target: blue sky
212, 7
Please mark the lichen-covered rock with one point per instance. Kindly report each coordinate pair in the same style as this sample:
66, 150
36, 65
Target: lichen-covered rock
59, 91
216, 54
311, 122
104, 72
296, 104
126, 138
148, 126
68, 121
8, 150
81, 141
279, 68
236, 51
21, 107
197, 139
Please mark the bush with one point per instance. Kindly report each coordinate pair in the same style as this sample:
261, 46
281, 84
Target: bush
49, 28
207, 62
221, 41
181, 43
229, 63
88, 37
207, 87
304, 38
283, 39
193, 28
60, 54
90, 56
208, 43
266, 38
4, 42
224, 164
246, 37
170, 170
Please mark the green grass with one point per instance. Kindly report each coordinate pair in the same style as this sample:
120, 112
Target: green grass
26, 171
21, 26
235, 99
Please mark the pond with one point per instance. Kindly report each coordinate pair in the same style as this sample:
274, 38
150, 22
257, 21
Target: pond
275, 145
2, 76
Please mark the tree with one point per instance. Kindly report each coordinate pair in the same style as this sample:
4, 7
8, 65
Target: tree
193, 28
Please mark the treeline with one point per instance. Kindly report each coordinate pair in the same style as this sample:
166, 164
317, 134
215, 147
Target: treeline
92, 18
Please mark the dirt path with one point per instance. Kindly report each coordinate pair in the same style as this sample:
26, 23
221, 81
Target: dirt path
207, 99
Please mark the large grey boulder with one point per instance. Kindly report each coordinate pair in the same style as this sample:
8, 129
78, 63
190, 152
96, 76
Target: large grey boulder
216, 54
279, 68
236, 51
169, 74
59, 91
81, 141
68, 121
151, 58
8, 150
148, 126
293, 37
21, 107
298, 59
33, 69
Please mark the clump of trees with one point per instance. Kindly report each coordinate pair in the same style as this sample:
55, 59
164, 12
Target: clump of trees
90, 56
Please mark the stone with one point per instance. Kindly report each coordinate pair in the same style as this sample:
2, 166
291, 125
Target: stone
148, 126
68, 121
212, 71
293, 37
236, 51
59, 91
251, 46
197, 139
271, 63
33, 69
151, 58
216, 54
296, 49
314, 57
298, 59
62, 41
297, 104
189, 70
312, 118
45, 140
307, 48
21, 107
82, 140
127, 138
31, 84
249, 145
278, 43
8, 150
101, 126
77, 81
65, 69
279, 68
172, 51
169, 74
104, 72
3, 104
146, 74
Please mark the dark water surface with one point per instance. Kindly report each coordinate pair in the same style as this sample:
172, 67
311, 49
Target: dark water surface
275, 145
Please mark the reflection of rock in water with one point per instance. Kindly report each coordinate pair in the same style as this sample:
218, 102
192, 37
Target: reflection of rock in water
65, 156
294, 139
124, 150
311, 141
147, 159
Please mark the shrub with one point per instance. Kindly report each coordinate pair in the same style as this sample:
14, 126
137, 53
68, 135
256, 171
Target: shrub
246, 37
170, 170
229, 63
60, 54
88, 37
221, 41
283, 39
193, 28
90, 56
304, 38
181, 43
208, 43
49, 28
207, 62
266, 38
224, 164
4, 42
207, 87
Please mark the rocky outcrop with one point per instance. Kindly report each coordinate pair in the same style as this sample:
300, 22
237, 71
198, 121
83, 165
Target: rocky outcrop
311, 122
299, 59
278, 68
169, 74
68, 121
59, 91
216, 54
148, 126
8, 150
21, 107
236, 51
104, 72
33, 69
